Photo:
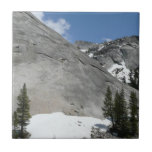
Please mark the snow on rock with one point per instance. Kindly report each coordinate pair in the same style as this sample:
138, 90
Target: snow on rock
91, 55
83, 50
120, 71
59, 125
100, 47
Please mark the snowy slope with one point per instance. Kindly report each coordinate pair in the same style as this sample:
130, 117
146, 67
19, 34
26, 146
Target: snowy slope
120, 71
58, 125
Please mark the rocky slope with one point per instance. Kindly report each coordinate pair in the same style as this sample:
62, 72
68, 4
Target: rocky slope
57, 75
118, 56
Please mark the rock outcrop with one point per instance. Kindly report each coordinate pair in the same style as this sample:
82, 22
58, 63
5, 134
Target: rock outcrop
120, 55
57, 75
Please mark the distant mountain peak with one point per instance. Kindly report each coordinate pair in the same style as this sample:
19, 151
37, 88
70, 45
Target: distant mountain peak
112, 54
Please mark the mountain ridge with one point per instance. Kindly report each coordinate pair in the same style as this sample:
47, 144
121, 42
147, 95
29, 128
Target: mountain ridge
58, 76
120, 55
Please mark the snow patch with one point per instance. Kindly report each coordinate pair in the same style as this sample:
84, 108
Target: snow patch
91, 55
83, 50
100, 47
120, 71
59, 125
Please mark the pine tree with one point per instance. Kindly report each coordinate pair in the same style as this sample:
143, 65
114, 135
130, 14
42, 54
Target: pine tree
117, 110
134, 116
123, 115
15, 125
120, 114
23, 112
108, 105
15, 120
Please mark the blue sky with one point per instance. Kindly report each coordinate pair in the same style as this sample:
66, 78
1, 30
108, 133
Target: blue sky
93, 27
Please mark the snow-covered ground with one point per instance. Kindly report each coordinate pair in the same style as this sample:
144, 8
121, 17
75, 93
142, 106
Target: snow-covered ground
59, 125
123, 71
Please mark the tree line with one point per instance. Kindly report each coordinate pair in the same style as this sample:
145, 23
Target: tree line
134, 78
124, 117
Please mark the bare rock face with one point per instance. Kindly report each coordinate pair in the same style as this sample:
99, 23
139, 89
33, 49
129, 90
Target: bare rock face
118, 55
85, 44
58, 76
124, 49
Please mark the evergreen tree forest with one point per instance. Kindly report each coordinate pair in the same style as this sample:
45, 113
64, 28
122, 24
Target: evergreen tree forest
108, 108
124, 116
134, 114
22, 115
134, 78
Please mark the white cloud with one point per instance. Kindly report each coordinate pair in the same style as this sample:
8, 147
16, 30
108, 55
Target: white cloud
61, 25
39, 15
106, 39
